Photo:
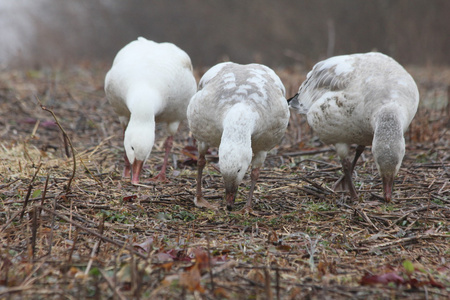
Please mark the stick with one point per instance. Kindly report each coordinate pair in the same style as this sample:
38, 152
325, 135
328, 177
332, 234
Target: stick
308, 152
104, 238
111, 284
68, 140
30, 187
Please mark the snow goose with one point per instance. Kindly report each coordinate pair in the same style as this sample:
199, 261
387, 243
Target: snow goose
149, 83
364, 99
241, 109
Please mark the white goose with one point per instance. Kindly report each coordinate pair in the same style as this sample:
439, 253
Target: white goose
241, 109
149, 82
364, 99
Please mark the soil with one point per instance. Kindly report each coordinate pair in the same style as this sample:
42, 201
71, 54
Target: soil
72, 228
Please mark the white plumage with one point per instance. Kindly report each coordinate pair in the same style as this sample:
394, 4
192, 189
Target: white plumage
149, 82
241, 109
364, 99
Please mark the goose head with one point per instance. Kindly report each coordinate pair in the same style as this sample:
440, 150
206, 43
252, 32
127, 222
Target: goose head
234, 163
388, 148
138, 143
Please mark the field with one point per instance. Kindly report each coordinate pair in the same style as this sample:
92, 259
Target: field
71, 228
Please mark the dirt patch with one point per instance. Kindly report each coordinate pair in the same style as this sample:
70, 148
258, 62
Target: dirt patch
101, 237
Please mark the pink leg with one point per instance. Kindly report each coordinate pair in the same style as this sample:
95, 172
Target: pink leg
162, 174
199, 201
254, 175
346, 182
200, 166
127, 166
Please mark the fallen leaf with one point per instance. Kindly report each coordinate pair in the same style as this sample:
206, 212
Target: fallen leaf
369, 279
129, 198
409, 267
191, 279
435, 283
145, 246
167, 266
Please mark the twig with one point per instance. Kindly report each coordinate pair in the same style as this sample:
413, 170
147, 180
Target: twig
209, 263
75, 239
111, 284
30, 187
277, 280
317, 186
362, 214
386, 245
8, 184
90, 173
68, 140
44, 193
52, 226
34, 228
410, 212
104, 238
269, 295
11, 219
309, 152
309, 191
96, 246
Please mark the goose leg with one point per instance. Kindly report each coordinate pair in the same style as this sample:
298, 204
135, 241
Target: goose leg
254, 175
359, 151
127, 166
201, 162
257, 162
346, 182
168, 144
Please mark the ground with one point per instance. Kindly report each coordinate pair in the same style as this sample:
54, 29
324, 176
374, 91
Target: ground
71, 227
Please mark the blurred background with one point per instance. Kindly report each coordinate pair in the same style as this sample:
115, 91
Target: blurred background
35, 33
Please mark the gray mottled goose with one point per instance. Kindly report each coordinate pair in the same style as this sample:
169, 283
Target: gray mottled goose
363, 99
149, 83
241, 109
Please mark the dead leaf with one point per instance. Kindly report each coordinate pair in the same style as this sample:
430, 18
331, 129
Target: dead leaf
191, 279
435, 283
369, 279
145, 246
129, 198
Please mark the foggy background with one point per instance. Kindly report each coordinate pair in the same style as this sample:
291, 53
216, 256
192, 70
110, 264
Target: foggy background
34, 33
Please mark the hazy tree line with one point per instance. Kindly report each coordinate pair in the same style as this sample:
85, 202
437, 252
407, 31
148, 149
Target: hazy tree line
283, 32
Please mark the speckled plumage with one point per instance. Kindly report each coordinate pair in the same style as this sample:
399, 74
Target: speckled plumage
242, 110
364, 99
149, 82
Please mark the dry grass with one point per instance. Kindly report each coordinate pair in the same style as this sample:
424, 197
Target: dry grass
100, 237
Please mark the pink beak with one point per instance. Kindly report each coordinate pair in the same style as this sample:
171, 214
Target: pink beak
136, 169
388, 183
230, 196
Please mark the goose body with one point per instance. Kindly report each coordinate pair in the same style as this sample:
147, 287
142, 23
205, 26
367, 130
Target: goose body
149, 83
241, 109
364, 99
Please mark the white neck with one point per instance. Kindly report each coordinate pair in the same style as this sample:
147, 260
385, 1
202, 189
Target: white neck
235, 151
388, 145
238, 125
144, 103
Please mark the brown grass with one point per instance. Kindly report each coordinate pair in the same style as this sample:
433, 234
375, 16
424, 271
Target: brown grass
101, 237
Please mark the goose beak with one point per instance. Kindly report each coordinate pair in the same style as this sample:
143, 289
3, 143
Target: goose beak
295, 97
230, 196
388, 183
136, 169
294, 103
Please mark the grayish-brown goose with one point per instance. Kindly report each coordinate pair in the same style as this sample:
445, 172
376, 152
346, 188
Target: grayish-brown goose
363, 99
241, 109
